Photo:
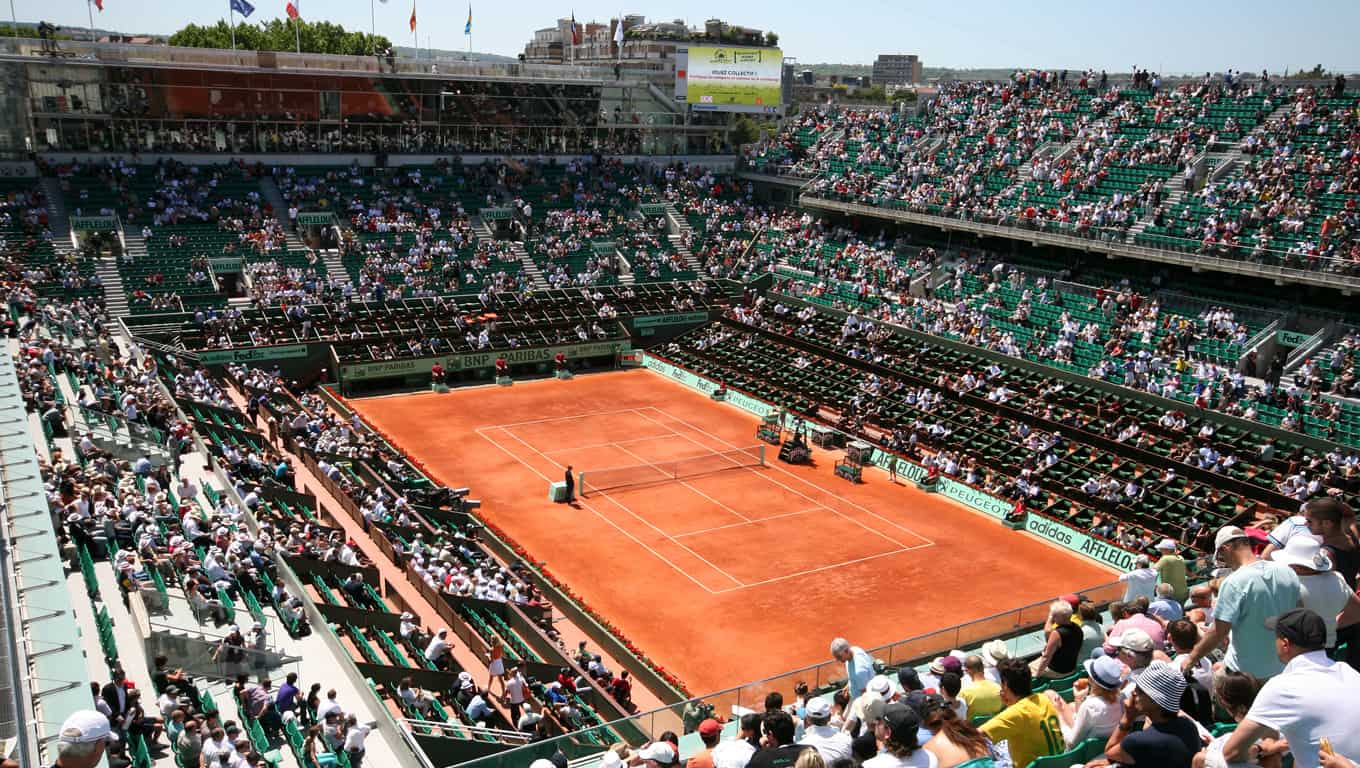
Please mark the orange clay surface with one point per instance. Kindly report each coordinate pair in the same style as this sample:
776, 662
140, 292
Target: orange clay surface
730, 576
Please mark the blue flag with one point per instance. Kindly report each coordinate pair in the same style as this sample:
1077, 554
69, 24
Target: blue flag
242, 7
467, 28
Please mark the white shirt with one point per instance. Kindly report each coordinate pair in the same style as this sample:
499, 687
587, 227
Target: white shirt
354, 737
1290, 526
831, 743
1326, 594
436, 648
1312, 698
1139, 582
919, 759
1095, 717
514, 689
732, 754
326, 707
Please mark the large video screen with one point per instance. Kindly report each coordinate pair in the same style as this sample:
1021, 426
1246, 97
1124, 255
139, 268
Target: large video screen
730, 78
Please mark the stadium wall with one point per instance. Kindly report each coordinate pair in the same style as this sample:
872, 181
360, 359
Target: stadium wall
1036, 525
715, 162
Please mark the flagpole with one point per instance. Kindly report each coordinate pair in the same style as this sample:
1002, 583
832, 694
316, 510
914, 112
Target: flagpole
90, 10
373, 27
231, 21
297, 33
14, 19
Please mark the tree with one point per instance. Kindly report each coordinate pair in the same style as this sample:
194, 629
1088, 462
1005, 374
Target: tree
771, 39
279, 35
744, 131
1316, 73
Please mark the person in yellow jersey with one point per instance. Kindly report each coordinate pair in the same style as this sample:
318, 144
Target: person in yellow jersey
1028, 724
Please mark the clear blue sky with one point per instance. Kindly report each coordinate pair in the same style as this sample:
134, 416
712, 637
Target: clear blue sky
1170, 36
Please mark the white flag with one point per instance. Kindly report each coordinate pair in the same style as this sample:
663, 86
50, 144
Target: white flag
618, 32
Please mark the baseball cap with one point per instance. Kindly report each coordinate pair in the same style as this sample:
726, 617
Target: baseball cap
1163, 683
1166, 545
541, 762
1071, 600
710, 727
1226, 534
1301, 627
85, 726
659, 751
1105, 671
818, 708
902, 720
1134, 639
952, 664
909, 679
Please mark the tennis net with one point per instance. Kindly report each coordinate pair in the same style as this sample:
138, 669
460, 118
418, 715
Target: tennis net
598, 480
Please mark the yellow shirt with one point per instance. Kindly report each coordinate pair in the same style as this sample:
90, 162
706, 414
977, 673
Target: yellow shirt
1171, 569
1030, 726
983, 698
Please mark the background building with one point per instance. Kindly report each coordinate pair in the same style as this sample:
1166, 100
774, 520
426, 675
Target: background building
897, 69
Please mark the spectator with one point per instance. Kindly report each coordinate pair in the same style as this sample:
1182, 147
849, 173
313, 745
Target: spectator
355, 734
84, 737
1092, 636
1168, 740
1171, 569
832, 743
897, 734
1234, 693
1139, 582
1165, 607
1096, 708
1028, 724
1256, 591
1312, 698
982, 696
710, 732
859, 665
779, 749
953, 739
736, 753
1321, 589
1059, 658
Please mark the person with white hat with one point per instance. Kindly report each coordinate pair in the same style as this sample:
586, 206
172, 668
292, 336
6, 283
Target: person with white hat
831, 743
1321, 588
869, 706
657, 753
1255, 591
437, 652
993, 653
1171, 569
1096, 707
1167, 740
84, 736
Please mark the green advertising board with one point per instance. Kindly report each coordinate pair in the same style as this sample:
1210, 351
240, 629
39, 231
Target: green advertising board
1070, 538
658, 321
315, 218
94, 223
251, 354
1291, 338
474, 360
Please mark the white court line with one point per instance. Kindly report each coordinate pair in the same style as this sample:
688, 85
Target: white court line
819, 569
640, 518
687, 485
597, 513
590, 415
749, 522
790, 489
620, 443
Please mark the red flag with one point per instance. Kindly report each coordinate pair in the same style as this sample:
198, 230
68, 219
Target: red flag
413, 15
292, 10
99, 4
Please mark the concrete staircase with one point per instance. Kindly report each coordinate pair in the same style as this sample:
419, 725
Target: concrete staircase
336, 273
536, 278
274, 197
57, 220
115, 295
680, 232
482, 230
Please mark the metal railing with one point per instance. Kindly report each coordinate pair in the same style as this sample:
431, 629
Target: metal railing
1113, 242
681, 717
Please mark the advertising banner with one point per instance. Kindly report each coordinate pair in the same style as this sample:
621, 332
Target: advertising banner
717, 77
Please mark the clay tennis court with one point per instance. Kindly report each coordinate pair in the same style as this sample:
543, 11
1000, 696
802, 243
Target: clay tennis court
732, 574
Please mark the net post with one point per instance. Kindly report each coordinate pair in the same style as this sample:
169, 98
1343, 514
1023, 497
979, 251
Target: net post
762, 454
581, 483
